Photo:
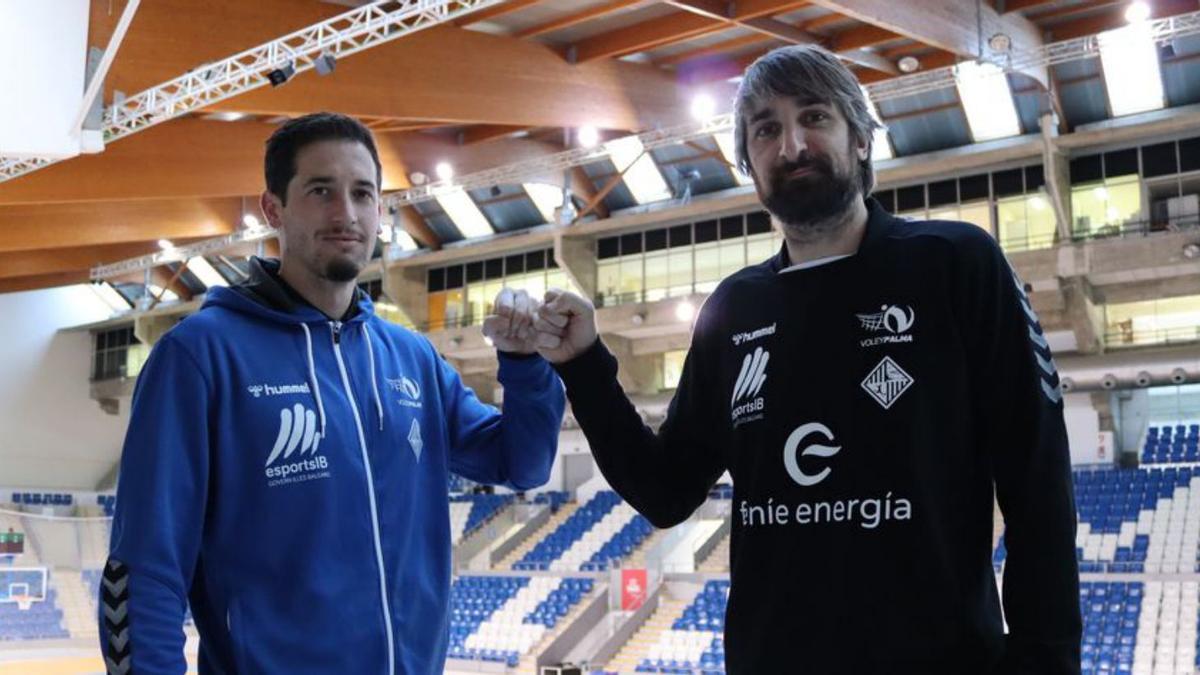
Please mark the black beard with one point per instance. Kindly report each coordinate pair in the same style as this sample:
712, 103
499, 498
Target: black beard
809, 206
341, 270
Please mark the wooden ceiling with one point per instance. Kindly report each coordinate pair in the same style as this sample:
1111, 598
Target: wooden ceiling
496, 87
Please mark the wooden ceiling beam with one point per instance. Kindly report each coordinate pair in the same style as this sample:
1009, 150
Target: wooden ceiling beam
575, 19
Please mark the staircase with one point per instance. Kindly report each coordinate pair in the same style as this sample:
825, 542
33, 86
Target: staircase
632, 652
74, 598
638, 557
528, 663
537, 535
718, 560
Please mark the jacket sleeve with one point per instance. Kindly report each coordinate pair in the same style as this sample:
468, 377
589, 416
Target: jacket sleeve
665, 476
159, 517
1018, 407
515, 449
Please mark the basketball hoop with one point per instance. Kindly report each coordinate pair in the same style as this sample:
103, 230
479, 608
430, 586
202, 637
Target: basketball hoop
24, 602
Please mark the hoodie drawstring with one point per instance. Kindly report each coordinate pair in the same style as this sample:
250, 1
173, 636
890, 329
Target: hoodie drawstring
312, 378
374, 383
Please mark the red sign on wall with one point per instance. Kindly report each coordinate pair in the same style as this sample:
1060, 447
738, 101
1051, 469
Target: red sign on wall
633, 588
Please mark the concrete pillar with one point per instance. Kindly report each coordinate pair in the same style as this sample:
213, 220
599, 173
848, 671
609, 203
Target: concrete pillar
577, 258
405, 286
1057, 170
638, 374
1085, 317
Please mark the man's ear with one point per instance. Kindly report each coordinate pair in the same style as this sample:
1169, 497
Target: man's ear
862, 148
272, 209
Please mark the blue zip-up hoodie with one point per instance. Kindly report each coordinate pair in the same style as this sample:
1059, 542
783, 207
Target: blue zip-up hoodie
286, 474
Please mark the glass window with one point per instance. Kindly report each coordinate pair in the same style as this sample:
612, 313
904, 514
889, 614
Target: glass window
733, 256
477, 304
708, 268
657, 276
673, 368
1153, 321
679, 271
436, 305
977, 213
1105, 208
759, 248
608, 281
631, 283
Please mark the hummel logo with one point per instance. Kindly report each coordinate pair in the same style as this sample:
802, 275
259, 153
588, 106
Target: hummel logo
258, 390
741, 338
297, 431
749, 383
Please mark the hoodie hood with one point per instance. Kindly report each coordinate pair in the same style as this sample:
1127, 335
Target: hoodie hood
265, 295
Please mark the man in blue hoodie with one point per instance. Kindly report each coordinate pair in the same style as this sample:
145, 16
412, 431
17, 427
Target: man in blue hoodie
285, 468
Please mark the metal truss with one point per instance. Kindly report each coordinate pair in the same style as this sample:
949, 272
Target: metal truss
1161, 31
1059, 52
181, 253
342, 35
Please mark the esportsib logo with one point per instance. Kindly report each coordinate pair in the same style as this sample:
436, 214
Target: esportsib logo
749, 384
298, 435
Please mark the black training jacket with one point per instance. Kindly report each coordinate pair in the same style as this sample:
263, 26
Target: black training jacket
866, 409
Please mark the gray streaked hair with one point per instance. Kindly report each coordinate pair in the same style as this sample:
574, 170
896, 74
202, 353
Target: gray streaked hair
807, 73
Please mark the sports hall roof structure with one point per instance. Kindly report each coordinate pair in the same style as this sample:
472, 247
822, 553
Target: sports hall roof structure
500, 94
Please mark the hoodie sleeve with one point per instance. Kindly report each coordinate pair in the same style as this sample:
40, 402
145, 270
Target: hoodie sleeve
159, 516
516, 448
1018, 406
665, 476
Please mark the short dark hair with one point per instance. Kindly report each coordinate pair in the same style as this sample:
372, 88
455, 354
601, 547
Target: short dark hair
810, 73
279, 164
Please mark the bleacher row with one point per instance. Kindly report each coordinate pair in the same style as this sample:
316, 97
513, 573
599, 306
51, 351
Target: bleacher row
468, 512
42, 499
1172, 444
500, 619
602, 530
695, 642
1135, 520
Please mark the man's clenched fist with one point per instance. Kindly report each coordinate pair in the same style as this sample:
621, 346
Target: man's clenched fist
565, 325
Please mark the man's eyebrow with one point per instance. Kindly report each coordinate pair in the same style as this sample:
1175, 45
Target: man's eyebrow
317, 179
765, 113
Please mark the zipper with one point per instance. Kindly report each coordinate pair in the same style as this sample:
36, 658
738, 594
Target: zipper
336, 329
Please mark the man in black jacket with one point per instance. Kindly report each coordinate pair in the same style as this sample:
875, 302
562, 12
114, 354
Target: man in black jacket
867, 388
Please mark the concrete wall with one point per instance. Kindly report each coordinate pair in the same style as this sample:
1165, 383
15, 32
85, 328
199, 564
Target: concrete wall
52, 435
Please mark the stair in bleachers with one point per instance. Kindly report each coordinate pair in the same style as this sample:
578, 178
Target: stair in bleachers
503, 619
631, 653
718, 559
695, 641
564, 513
637, 557
77, 602
1172, 444
559, 610
563, 539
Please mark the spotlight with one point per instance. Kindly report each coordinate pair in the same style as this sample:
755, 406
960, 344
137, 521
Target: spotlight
588, 136
418, 178
685, 311
281, 74
1000, 42
1066, 384
703, 107
638, 319
1143, 379
166, 245
1137, 12
1108, 382
444, 171
494, 191
325, 63
250, 221
908, 64
1191, 251
1178, 376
